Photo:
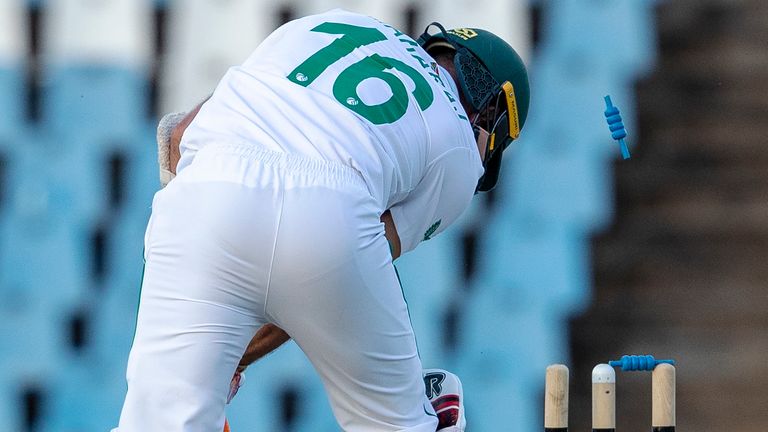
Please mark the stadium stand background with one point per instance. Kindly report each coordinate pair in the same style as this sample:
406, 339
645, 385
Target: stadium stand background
82, 83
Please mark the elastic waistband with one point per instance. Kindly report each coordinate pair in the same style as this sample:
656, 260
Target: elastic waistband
288, 163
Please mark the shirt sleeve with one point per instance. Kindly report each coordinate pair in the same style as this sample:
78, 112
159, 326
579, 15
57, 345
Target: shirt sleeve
439, 199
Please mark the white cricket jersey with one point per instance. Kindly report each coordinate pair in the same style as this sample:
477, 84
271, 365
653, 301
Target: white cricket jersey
344, 87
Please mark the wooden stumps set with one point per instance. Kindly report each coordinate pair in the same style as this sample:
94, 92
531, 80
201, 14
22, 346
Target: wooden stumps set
604, 394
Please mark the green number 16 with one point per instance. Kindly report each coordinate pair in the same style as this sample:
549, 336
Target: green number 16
373, 66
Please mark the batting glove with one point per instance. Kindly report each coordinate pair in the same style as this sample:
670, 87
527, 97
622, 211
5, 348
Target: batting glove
164, 131
446, 395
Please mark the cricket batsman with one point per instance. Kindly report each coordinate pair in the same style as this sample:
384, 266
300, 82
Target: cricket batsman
339, 144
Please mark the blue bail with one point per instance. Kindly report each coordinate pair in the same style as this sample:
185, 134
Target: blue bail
613, 117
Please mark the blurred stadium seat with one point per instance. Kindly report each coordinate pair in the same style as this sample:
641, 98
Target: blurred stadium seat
95, 69
204, 39
13, 50
108, 32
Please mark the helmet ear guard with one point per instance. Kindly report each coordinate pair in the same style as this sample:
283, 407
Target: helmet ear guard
503, 127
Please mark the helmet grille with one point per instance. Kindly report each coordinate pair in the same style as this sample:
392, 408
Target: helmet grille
479, 85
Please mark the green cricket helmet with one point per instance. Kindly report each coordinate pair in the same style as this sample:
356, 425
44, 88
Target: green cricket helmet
493, 81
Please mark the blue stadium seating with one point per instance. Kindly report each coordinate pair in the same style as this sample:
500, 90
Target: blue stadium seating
11, 104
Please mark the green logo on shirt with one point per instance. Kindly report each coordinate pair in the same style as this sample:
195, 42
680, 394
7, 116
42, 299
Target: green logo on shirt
431, 230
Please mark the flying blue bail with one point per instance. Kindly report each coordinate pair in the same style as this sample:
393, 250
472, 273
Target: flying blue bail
615, 124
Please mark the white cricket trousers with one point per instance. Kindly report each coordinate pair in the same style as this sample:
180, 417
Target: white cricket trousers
243, 237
